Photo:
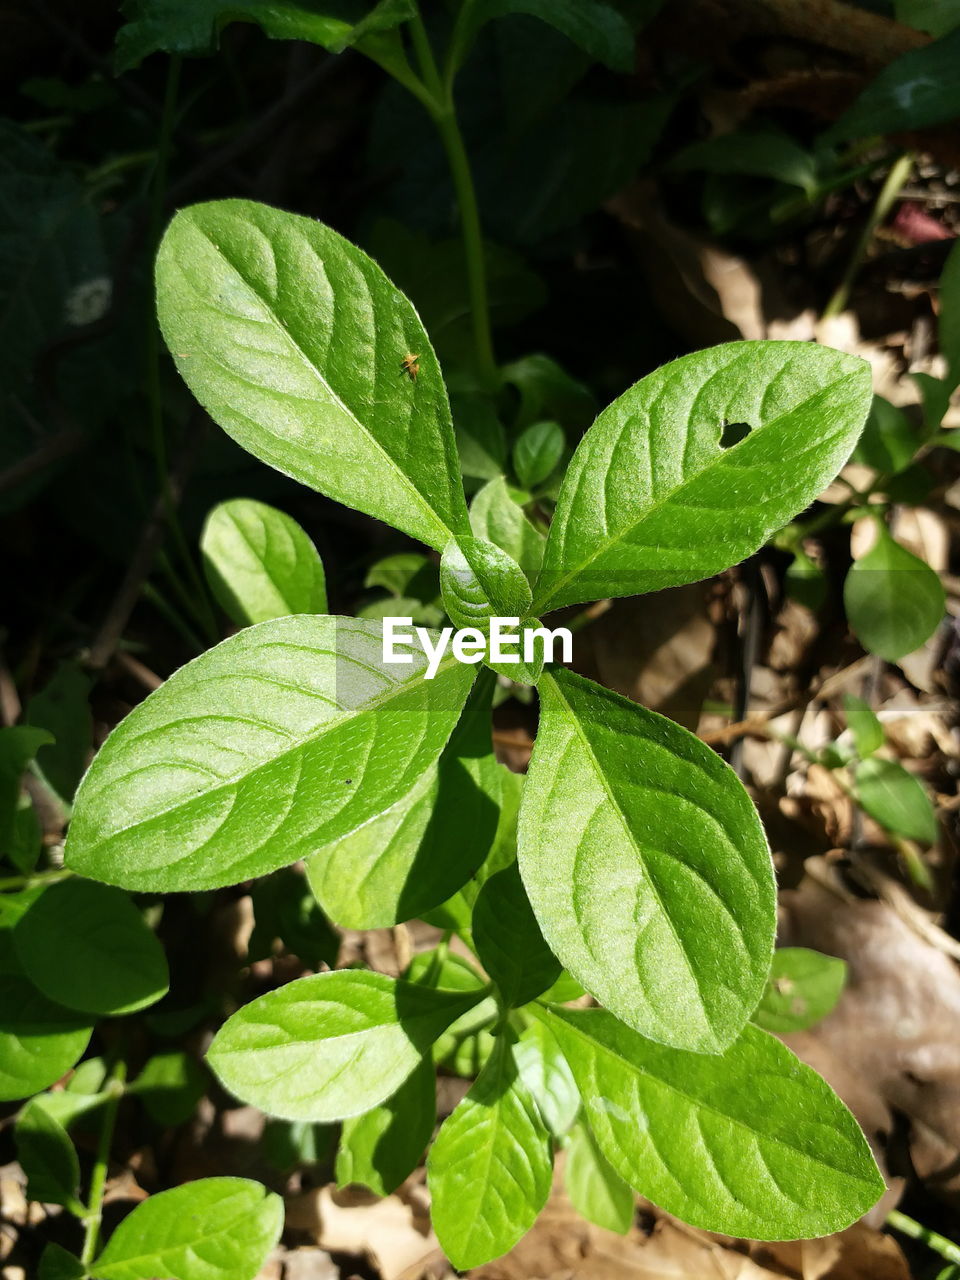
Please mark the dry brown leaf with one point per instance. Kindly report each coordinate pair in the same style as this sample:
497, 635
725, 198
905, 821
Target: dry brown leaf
388, 1232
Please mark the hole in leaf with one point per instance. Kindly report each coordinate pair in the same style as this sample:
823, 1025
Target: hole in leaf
733, 433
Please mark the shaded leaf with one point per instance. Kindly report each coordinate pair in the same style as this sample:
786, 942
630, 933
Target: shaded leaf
867, 731
383, 1146
57, 1264
509, 942
170, 1086
48, 1158
537, 452
915, 91
803, 987
597, 28
595, 1189
896, 799
889, 441
284, 907
62, 707
894, 601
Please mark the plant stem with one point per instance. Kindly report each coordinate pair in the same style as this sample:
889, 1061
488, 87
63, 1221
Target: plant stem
895, 180
439, 959
40, 877
443, 112
98, 1178
910, 1227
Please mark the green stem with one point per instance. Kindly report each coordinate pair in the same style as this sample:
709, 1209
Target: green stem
443, 112
98, 1178
939, 1244
896, 179
439, 959
40, 877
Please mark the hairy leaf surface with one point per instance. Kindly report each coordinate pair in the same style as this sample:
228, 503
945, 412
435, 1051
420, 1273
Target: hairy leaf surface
646, 865
753, 1143
258, 752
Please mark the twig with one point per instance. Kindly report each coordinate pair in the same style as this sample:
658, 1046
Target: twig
98, 1178
140, 672
932, 1239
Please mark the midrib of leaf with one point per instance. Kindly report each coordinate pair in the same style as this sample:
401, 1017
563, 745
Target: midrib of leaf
275, 319
328, 726
495, 1123
574, 720
695, 1103
539, 605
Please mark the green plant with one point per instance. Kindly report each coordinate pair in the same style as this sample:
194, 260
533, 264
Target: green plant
636, 867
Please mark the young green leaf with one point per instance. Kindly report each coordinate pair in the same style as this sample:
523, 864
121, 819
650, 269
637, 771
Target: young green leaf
867, 731
258, 752
478, 581
57, 1264
193, 26
753, 1143
62, 707
764, 153
802, 989
537, 453
260, 564
170, 1086
86, 946
496, 517
383, 1146
293, 340
646, 865
595, 1189
596, 27
543, 1069
915, 91
894, 601
48, 1158
18, 746
403, 861
333, 1045
889, 441
211, 1229
652, 498
805, 581
406, 574
509, 942
466, 1044
39, 1040
896, 799
490, 1167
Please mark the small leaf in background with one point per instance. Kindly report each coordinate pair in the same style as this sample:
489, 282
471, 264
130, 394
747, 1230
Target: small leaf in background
293, 340
596, 1191
752, 1143
548, 392
403, 861
889, 440
597, 28
915, 91
294, 1144
284, 908
39, 1040
537, 453
211, 1229
407, 574
481, 440
490, 1166
170, 1086
659, 493
331, 1046
544, 1071
19, 745
894, 601
62, 707
466, 1044
646, 866
260, 564
936, 17
86, 946
478, 581
896, 799
805, 581
803, 987
24, 835
383, 1146
509, 942
193, 26
48, 1158
496, 516
866, 729
57, 1264
763, 154
279, 739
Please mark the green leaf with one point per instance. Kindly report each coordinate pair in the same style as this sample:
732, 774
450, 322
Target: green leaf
260, 751
86, 946
466, 1044
595, 1189
496, 517
889, 441
547, 391
894, 601
194, 26
39, 1040
646, 865
383, 1147
284, 907
867, 731
509, 942
652, 499
170, 1086
753, 1143
537, 453
948, 325
48, 1158
803, 987
763, 154
419, 852
57, 1264
593, 26
19, 744
805, 581
25, 835
478, 581
211, 1229
544, 1071
490, 1167
333, 1045
260, 564
896, 799
915, 91
407, 574
481, 442
62, 707
293, 340
934, 16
